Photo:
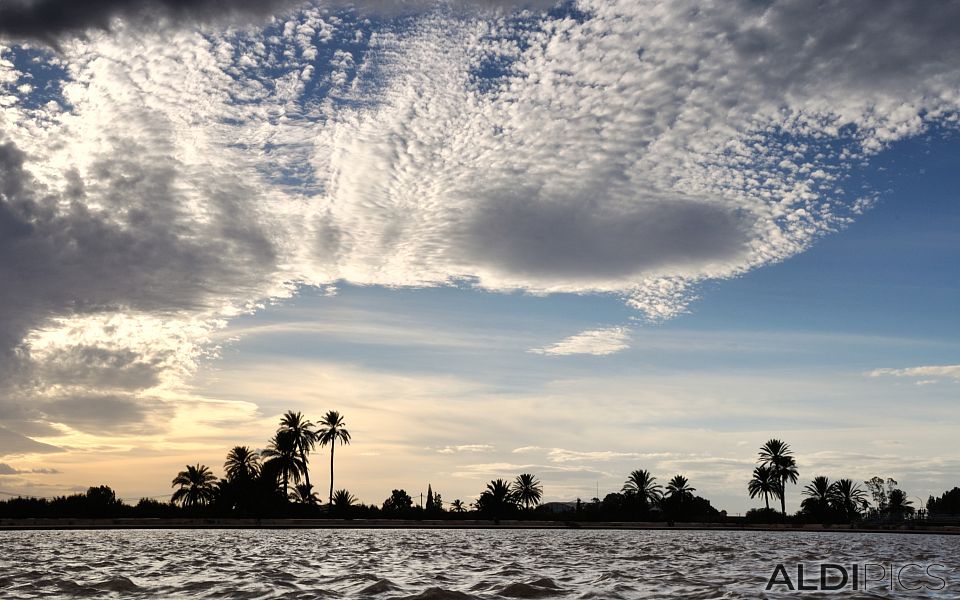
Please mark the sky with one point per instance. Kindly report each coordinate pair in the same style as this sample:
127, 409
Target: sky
572, 239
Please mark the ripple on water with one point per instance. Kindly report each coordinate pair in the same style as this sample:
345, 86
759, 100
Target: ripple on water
438, 565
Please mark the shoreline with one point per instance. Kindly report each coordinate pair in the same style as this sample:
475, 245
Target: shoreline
283, 523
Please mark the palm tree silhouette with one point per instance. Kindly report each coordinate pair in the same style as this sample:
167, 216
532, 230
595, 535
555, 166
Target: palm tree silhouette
679, 487
527, 490
304, 437
242, 464
847, 497
331, 431
643, 485
764, 483
303, 494
196, 486
777, 455
458, 506
899, 504
343, 499
283, 459
817, 494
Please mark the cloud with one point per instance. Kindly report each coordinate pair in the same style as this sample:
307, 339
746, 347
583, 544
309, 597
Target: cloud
6, 469
466, 448
923, 373
50, 20
599, 342
12, 443
156, 183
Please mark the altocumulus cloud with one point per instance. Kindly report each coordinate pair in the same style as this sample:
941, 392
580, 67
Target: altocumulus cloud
166, 170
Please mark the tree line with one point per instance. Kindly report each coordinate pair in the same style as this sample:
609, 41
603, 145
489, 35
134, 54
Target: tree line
275, 482
824, 501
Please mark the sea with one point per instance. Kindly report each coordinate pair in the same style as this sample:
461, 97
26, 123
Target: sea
445, 564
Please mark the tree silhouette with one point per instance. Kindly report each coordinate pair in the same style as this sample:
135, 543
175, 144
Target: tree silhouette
679, 487
196, 486
242, 465
777, 455
641, 485
398, 502
898, 504
817, 492
458, 506
497, 498
847, 497
331, 431
283, 459
303, 494
343, 499
304, 437
764, 483
527, 490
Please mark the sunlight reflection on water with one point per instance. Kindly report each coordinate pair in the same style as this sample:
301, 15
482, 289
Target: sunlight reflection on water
445, 564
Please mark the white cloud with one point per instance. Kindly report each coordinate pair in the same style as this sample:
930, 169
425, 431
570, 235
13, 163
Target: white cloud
465, 448
924, 374
599, 342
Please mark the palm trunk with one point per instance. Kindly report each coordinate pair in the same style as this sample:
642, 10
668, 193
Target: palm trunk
783, 497
333, 445
766, 499
306, 471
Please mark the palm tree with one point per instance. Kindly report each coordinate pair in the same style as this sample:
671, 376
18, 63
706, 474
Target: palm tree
527, 490
303, 435
776, 455
679, 487
283, 459
765, 484
497, 498
847, 497
331, 431
303, 493
196, 486
242, 464
817, 494
458, 506
898, 504
343, 499
643, 485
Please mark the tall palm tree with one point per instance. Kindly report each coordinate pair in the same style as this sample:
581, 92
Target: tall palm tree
847, 497
304, 437
242, 464
643, 485
458, 506
764, 483
196, 486
331, 431
679, 487
777, 455
283, 459
527, 490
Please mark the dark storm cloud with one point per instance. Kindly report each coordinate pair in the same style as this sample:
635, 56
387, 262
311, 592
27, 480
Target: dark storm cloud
48, 21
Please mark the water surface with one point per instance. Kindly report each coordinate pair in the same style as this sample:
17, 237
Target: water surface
452, 564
